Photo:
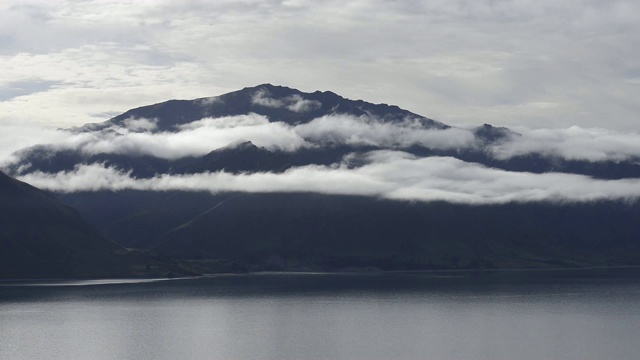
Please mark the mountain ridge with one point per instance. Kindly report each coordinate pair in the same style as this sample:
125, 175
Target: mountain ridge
186, 111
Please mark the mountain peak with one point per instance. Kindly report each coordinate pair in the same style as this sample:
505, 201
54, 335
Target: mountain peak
269, 86
275, 102
244, 145
490, 133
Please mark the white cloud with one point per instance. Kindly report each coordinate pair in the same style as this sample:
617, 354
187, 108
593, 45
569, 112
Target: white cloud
294, 103
198, 138
263, 98
487, 61
93, 80
389, 175
18, 136
364, 130
298, 104
203, 136
140, 124
211, 100
574, 143
194, 139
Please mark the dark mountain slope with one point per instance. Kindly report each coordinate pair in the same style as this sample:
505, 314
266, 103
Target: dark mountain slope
332, 232
42, 238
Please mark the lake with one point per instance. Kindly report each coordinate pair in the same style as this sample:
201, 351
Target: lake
550, 314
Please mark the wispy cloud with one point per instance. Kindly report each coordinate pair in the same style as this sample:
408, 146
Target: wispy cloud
140, 124
574, 143
297, 103
263, 98
294, 103
387, 174
364, 130
197, 138
18, 136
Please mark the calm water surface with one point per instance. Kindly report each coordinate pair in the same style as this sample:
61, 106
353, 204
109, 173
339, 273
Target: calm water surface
588, 314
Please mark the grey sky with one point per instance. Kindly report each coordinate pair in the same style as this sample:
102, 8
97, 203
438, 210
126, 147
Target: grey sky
538, 64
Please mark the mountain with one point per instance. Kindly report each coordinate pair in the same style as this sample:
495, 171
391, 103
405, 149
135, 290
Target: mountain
42, 238
334, 232
269, 177
291, 107
278, 103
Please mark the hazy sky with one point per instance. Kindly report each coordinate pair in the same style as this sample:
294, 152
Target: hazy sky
533, 63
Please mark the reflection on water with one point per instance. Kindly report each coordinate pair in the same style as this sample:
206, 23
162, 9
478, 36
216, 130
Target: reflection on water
592, 314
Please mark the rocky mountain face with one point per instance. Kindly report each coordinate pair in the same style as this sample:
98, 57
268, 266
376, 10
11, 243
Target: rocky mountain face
262, 178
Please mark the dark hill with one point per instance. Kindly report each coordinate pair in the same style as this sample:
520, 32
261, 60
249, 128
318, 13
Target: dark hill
42, 238
334, 232
178, 112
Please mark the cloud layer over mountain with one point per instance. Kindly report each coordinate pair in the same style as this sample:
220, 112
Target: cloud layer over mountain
136, 137
387, 174
391, 172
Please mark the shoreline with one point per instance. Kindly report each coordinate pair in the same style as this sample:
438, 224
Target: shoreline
133, 280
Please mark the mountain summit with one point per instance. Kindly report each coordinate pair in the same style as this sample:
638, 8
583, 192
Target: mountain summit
277, 103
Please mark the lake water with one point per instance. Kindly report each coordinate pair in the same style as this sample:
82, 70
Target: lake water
587, 314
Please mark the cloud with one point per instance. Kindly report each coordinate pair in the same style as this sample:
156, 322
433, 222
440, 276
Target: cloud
489, 61
208, 101
197, 138
574, 143
364, 130
83, 83
203, 136
263, 98
295, 103
140, 124
18, 136
194, 139
387, 174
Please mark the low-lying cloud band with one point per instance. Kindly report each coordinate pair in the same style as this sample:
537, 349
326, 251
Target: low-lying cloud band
387, 174
136, 137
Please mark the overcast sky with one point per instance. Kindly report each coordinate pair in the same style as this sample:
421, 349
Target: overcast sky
533, 63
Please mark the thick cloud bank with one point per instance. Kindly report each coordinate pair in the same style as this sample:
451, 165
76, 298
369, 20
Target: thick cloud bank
196, 138
389, 173
136, 136
574, 143
386, 174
